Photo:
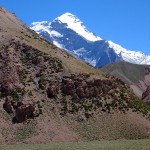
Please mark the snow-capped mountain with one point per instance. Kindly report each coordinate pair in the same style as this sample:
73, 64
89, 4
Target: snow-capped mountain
130, 56
69, 33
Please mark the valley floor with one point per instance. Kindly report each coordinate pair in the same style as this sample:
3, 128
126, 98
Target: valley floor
96, 145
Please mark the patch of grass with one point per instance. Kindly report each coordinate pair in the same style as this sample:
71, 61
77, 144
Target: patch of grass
15, 94
97, 145
26, 130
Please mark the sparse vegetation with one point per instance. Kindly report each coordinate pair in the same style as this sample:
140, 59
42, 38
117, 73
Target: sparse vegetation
102, 145
26, 130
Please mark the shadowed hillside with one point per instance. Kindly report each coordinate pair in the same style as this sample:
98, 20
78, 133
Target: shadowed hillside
136, 76
129, 73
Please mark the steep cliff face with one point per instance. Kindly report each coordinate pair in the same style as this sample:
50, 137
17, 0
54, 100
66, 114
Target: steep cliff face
47, 95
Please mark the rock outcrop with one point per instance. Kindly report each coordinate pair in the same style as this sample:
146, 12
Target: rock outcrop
10, 78
24, 112
53, 90
8, 107
146, 93
21, 111
85, 87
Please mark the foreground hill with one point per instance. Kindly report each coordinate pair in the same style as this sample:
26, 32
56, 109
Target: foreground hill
47, 95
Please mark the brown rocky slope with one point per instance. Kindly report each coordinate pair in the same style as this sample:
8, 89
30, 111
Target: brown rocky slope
47, 95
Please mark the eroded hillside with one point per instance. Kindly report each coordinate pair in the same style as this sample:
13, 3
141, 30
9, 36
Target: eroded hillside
47, 95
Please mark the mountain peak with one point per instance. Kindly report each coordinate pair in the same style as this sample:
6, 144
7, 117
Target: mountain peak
68, 17
68, 14
75, 24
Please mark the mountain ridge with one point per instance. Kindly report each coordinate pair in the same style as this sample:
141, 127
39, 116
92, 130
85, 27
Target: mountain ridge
68, 28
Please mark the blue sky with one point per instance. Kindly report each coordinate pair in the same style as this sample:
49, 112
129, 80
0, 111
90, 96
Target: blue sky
125, 22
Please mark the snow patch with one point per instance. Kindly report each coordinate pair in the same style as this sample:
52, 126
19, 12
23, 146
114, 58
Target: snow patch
58, 44
56, 34
90, 61
44, 26
82, 53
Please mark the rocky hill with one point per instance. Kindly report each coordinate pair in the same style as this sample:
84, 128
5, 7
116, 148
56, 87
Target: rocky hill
47, 95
